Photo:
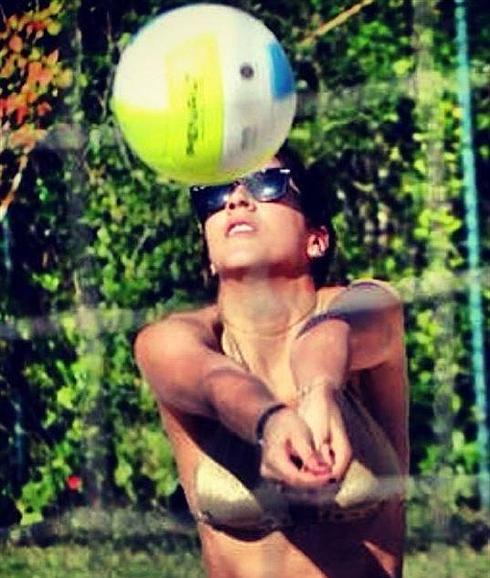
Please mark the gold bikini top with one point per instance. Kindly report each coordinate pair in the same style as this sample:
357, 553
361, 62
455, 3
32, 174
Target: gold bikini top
231, 495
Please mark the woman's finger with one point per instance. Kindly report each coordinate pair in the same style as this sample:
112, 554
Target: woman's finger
285, 464
342, 453
281, 468
327, 455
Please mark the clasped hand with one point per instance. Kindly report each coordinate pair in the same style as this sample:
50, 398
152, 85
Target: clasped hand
307, 448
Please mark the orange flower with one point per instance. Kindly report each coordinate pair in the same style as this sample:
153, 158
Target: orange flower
21, 112
43, 108
37, 73
15, 43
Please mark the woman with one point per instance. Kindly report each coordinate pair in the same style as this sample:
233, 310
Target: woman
269, 396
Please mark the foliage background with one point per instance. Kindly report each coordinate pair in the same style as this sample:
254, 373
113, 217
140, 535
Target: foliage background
94, 244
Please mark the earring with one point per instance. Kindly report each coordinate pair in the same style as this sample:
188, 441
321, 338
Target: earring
212, 269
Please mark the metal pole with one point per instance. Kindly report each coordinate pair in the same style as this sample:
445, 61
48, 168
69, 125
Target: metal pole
473, 240
19, 436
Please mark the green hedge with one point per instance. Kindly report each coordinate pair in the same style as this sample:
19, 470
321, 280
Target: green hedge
95, 245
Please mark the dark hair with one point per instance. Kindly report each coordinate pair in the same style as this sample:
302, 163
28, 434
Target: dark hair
315, 204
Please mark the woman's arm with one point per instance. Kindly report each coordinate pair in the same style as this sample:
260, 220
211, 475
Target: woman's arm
180, 359
362, 329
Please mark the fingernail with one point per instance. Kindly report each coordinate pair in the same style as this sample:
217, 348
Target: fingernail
297, 462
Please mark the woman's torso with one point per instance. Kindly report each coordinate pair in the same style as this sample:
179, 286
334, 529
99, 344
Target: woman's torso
314, 549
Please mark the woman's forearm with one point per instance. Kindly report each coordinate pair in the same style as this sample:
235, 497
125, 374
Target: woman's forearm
184, 372
238, 399
361, 328
322, 357
197, 379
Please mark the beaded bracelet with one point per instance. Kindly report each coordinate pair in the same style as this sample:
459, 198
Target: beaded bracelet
305, 389
264, 418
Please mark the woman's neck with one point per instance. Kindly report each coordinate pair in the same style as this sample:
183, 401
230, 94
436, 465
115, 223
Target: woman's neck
266, 306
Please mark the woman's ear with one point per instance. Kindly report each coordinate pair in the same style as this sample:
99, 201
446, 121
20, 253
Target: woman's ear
317, 244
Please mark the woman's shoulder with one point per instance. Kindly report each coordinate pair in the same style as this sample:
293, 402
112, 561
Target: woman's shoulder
178, 327
375, 283
325, 295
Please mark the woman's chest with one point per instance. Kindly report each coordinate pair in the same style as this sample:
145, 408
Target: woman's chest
280, 382
268, 359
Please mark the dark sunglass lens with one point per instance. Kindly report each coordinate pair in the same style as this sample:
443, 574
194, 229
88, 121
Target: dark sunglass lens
268, 185
208, 200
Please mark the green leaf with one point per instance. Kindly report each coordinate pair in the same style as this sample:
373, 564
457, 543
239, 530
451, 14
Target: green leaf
65, 397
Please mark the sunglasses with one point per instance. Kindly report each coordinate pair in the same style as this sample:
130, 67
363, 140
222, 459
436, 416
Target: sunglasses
266, 185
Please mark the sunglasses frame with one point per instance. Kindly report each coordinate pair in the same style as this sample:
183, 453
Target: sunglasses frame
209, 199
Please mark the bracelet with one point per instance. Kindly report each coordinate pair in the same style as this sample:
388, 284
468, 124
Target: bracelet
305, 389
264, 418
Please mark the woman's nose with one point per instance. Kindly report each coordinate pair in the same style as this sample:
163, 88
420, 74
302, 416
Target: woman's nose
240, 197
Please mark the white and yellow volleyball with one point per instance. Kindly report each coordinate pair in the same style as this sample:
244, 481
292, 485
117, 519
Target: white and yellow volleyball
204, 94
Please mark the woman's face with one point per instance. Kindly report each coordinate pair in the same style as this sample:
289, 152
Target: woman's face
248, 235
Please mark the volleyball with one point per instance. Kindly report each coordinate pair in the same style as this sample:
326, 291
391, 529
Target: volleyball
204, 94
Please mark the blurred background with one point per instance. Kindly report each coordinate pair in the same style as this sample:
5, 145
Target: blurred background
393, 114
